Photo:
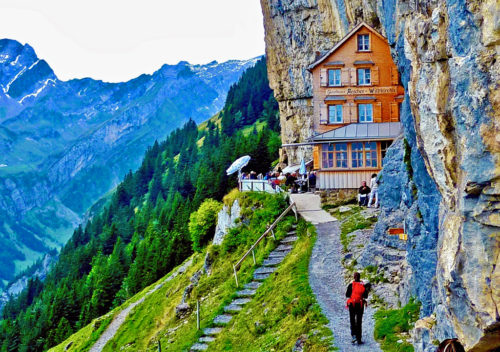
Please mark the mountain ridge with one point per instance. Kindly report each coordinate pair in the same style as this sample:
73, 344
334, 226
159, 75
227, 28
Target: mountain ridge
66, 143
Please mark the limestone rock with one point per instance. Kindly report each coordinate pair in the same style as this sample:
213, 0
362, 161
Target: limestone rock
226, 220
442, 181
182, 310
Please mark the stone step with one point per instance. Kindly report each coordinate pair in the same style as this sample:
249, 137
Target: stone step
283, 248
241, 301
232, 308
273, 261
212, 331
245, 293
289, 239
293, 232
264, 270
223, 319
207, 339
261, 277
253, 285
278, 254
199, 347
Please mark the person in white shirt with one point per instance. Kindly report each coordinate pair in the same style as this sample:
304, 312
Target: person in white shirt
374, 191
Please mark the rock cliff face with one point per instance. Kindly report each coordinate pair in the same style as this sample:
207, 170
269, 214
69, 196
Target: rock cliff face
447, 182
64, 144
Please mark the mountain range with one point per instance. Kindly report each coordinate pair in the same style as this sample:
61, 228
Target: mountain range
65, 144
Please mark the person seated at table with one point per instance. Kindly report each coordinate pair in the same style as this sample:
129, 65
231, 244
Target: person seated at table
290, 182
253, 175
363, 193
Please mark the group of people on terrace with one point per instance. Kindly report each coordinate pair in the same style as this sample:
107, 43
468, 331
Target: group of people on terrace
293, 181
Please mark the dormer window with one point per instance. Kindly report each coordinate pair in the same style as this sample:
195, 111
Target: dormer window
363, 42
334, 78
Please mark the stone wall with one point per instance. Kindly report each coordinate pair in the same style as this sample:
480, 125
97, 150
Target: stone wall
446, 52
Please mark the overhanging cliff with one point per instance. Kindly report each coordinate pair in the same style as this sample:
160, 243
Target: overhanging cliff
446, 52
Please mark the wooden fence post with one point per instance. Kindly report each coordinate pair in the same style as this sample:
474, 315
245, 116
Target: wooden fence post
253, 255
235, 275
159, 346
198, 314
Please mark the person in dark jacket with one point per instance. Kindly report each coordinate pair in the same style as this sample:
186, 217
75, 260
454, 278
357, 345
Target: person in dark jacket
312, 181
363, 192
357, 292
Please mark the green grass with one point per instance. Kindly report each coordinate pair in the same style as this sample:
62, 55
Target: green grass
284, 306
389, 324
259, 124
351, 221
283, 310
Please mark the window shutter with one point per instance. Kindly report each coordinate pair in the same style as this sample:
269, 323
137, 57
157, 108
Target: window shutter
353, 77
394, 76
323, 114
394, 112
345, 77
323, 77
353, 113
377, 112
375, 79
316, 157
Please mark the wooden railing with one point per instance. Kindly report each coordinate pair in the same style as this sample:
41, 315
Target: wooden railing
269, 230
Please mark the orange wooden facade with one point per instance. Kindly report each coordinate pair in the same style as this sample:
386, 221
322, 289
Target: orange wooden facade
356, 82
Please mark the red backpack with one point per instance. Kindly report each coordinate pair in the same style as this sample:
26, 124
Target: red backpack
358, 289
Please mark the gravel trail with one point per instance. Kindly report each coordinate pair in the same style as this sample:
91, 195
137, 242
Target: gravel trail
326, 277
111, 330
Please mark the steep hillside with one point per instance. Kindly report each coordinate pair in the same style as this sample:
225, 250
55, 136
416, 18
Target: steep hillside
283, 313
442, 179
143, 232
66, 143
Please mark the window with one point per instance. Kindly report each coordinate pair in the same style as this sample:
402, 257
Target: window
327, 156
334, 113
371, 154
341, 155
363, 42
334, 155
364, 77
357, 154
365, 112
334, 78
384, 145
364, 154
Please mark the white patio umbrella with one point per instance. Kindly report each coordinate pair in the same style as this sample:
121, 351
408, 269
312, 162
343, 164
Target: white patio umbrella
238, 164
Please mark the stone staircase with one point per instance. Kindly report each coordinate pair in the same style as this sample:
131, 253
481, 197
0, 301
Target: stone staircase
245, 295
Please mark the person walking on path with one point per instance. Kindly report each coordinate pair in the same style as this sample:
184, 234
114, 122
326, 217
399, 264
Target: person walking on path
356, 294
374, 191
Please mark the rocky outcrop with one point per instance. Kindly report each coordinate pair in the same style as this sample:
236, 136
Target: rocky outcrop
226, 220
447, 187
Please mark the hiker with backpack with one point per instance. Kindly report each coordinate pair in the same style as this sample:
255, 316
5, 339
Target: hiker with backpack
357, 292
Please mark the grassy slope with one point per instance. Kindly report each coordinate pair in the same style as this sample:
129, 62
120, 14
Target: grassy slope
284, 306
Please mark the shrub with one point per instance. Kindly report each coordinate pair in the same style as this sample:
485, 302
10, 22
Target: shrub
202, 223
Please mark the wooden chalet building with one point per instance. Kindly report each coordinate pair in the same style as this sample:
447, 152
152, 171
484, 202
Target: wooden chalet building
357, 99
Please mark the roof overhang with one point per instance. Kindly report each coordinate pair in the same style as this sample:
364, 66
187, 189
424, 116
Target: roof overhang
348, 35
361, 131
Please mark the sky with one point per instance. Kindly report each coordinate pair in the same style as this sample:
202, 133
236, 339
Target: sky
116, 40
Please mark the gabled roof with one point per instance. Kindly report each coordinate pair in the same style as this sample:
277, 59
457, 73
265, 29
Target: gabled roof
349, 35
362, 131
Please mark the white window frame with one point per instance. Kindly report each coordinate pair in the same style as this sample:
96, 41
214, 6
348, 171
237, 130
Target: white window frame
363, 42
337, 114
364, 77
337, 77
365, 113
